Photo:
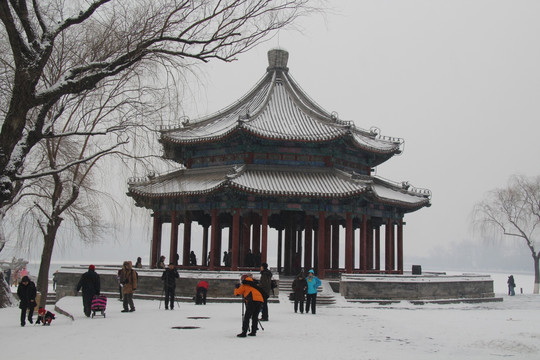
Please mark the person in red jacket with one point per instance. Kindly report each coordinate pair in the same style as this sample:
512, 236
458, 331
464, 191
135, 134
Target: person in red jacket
202, 289
253, 297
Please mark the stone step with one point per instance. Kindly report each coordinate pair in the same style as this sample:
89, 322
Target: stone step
323, 298
185, 299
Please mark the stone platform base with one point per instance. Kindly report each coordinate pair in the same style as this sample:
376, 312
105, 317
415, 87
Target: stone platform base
150, 286
420, 288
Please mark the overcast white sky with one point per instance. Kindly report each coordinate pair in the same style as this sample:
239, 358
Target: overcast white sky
458, 80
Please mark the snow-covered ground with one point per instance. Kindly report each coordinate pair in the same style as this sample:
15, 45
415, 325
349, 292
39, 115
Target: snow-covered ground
342, 331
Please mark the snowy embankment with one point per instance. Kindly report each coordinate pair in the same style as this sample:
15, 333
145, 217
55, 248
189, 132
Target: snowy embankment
342, 331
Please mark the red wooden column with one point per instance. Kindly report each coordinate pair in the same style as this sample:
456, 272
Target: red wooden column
378, 247
256, 221
264, 252
205, 246
213, 240
235, 239
155, 249
327, 243
187, 239
173, 250
246, 237
388, 250
308, 245
363, 245
392, 247
335, 244
322, 244
400, 246
229, 247
280, 249
386, 247
349, 252
370, 247
218, 245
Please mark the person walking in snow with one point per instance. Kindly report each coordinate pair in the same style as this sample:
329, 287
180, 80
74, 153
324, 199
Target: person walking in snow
27, 296
253, 298
128, 279
313, 283
169, 277
90, 285
299, 286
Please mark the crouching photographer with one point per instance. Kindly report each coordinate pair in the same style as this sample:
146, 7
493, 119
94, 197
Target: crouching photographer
253, 297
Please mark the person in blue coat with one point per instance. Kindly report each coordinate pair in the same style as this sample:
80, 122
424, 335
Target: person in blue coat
313, 283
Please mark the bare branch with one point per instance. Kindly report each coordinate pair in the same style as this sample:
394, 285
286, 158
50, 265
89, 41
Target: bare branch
70, 164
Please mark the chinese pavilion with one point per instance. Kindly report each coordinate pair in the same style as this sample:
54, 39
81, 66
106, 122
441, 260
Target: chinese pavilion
276, 159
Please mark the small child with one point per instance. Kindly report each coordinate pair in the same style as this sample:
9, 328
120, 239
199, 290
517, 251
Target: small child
45, 317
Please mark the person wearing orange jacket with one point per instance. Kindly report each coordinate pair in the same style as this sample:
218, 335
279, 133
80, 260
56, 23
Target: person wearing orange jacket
254, 298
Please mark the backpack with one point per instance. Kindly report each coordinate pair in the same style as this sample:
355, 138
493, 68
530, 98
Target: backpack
256, 286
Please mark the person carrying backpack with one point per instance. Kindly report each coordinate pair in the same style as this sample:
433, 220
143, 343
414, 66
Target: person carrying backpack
253, 298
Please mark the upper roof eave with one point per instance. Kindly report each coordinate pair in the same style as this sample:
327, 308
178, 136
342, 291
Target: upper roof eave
222, 124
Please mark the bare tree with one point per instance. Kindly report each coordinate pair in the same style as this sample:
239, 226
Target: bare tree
114, 110
57, 54
114, 37
514, 213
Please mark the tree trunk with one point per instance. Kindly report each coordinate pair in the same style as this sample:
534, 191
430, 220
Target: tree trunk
536, 273
46, 256
6, 298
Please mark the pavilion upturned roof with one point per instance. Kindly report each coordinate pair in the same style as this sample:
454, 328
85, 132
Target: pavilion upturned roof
275, 181
278, 109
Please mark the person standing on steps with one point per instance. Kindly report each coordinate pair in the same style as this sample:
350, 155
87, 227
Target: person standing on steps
128, 279
169, 277
313, 284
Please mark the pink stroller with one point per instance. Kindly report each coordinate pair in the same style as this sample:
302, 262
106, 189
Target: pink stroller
99, 303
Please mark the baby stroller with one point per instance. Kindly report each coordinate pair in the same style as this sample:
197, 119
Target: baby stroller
99, 303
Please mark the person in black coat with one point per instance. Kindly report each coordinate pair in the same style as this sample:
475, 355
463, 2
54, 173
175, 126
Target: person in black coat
266, 285
299, 286
27, 295
90, 285
169, 277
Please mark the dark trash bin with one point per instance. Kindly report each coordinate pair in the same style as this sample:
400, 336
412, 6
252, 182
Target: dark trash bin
417, 270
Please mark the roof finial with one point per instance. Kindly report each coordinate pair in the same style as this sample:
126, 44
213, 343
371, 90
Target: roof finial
277, 59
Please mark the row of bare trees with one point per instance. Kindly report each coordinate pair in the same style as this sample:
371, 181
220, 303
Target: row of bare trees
80, 79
